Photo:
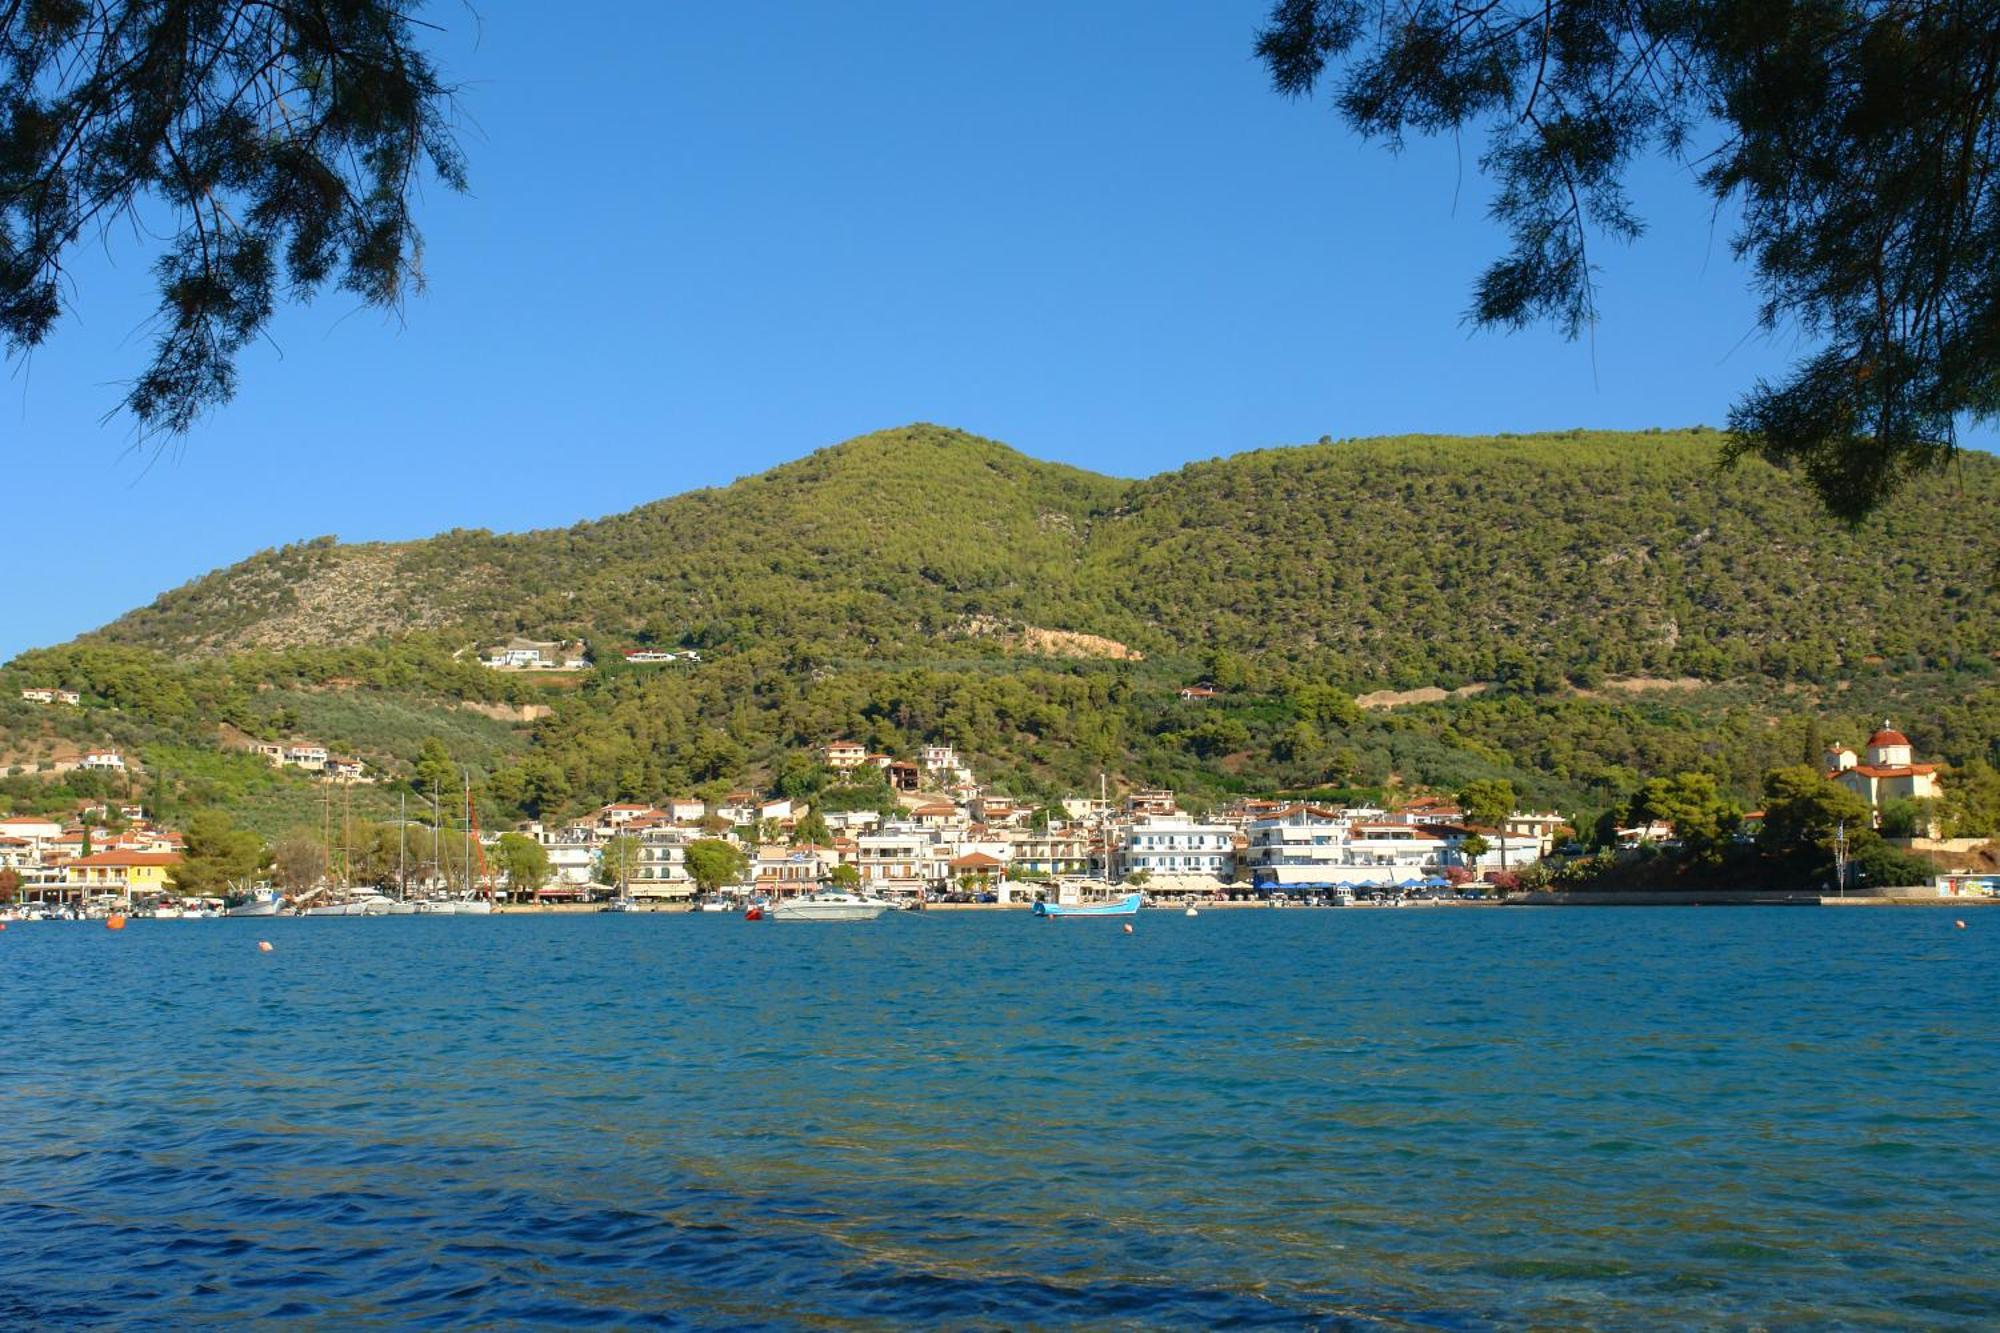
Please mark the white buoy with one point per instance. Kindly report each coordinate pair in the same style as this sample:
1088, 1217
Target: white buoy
1128, 928
263, 946
1192, 912
1959, 924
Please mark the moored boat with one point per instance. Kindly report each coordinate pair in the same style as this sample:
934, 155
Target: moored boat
1126, 906
828, 905
258, 902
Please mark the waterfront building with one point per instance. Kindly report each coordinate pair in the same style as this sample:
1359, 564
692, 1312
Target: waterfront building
899, 859
1175, 845
659, 869
787, 871
122, 874
1051, 852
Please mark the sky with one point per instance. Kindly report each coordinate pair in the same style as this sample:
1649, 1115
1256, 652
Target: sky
701, 240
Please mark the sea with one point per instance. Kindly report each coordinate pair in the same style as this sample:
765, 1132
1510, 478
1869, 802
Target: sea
1451, 1118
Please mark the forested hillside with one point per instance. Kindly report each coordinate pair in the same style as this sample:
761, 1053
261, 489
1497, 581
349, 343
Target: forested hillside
1401, 562
1626, 608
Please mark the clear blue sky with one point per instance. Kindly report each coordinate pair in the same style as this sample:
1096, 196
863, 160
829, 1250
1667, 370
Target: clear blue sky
703, 239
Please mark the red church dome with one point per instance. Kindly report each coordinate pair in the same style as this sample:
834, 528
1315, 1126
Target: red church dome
1887, 736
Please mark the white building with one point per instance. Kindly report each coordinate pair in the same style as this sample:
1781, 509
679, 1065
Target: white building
903, 860
103, 761
660, 868
35, 830
1296, 847
1176, 845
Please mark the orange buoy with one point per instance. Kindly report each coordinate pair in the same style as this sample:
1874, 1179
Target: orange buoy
263, 946
1959, 924
114, 922
1128, 928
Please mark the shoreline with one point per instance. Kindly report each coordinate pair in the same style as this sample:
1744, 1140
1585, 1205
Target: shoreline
1657, 898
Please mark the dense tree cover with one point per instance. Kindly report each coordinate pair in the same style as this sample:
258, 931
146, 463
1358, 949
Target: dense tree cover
523, 861
274, 148
1398, 562
220, 858
712, 863
1548, 571
1804, 816
1858, 139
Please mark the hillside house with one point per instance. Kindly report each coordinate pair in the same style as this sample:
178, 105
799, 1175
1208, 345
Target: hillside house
1197, 694
346, 768
739, 808
35, 830
840, 756
518, 654
103, 761
51, 695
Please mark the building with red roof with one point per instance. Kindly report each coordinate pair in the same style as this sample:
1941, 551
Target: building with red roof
1888, 771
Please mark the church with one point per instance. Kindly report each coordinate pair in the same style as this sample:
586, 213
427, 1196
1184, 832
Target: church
1889, 773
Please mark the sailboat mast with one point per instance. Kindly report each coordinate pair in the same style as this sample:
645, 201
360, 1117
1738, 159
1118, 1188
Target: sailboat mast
402, 847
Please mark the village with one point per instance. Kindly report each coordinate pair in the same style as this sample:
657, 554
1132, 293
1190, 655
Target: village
950, 837
932, 833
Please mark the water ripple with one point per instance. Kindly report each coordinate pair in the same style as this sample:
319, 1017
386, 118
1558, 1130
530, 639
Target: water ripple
1453, 1120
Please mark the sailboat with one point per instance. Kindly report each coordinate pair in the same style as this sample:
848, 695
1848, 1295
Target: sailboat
471, 904
401, 904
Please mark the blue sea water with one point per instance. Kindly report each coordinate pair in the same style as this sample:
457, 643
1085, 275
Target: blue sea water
1453, 1119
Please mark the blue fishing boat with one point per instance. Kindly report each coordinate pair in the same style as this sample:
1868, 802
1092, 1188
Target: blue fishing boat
1126, 906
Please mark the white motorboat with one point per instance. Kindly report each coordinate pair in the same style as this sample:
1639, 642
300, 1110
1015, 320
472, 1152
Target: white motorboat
829, 905
334, 909
472, 907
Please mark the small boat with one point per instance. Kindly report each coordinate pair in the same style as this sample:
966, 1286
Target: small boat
829, 905
619, 905
1126, 906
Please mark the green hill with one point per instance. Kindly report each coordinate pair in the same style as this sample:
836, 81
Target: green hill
923, 582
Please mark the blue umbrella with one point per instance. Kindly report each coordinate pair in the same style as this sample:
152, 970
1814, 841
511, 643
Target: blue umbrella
1413, 883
